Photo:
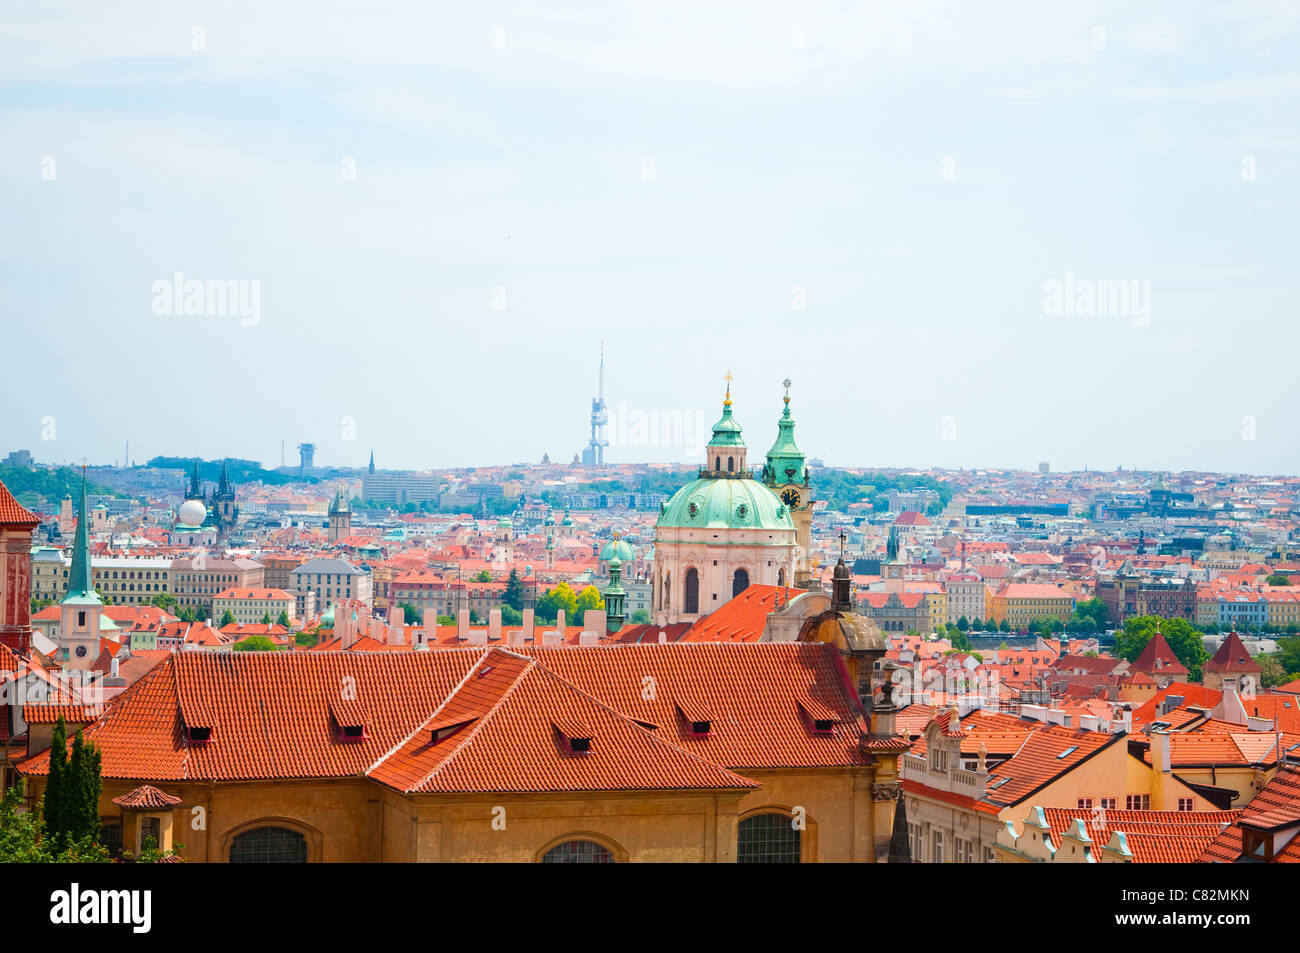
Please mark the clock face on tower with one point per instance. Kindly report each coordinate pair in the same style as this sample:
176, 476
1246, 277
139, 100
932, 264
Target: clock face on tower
790, 498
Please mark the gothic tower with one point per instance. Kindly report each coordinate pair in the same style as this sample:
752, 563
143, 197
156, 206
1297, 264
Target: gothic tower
340, 518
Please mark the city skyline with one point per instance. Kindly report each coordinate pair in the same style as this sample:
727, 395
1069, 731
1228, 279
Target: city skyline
925, 218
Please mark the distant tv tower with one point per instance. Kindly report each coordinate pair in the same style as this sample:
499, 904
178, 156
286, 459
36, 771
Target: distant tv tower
595, 452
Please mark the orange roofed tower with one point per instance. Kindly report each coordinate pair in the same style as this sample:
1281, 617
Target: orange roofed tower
16, 525
1231, 666
1159, 661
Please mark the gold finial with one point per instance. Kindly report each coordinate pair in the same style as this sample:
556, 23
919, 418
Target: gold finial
786, 384
728, 378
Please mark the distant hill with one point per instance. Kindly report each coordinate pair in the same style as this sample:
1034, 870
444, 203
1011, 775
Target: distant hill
28, 485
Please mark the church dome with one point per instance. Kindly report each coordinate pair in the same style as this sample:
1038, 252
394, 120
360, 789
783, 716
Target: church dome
617, 548
727, 503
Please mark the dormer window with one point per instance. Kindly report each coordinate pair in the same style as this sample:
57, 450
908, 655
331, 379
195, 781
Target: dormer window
352, 733
823, 725
579, 745
198, 734
701, 727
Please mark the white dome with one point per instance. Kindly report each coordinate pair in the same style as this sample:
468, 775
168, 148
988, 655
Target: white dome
193, 512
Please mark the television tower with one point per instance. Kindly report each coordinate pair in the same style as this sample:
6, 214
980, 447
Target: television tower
595, 452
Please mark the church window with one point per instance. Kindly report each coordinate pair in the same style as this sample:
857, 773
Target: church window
731, 464
767, 839
739, 582
269, 845
578, 852
692, 590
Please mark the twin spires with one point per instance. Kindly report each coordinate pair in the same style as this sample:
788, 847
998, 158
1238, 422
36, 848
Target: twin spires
725, 452
785, 461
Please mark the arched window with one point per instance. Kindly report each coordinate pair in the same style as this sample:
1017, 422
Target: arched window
767, 839
717, 463
269, 845
780, 576
665, 599
731, 464
739, 582
578, 852
692, 590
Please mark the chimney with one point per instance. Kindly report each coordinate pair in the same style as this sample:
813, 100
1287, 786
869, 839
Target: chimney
462, 624
494, 625
663, 637
594, 620
551, 639
559, 622
588, 639
396, 615
526, 634
1161, 756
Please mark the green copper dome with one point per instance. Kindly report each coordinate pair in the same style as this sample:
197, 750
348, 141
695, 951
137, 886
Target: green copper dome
617, 548
726, 503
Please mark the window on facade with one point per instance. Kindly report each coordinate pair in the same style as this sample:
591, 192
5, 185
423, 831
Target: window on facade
1137, 802
767, 839
1185, 804
938, 848
578, 852
739, 582
1085, 804
692, 590
1109, 803
110, 838
269, 845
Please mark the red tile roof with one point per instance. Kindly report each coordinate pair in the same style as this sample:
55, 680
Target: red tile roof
1153, 837
742, 618
146, 796
1232, 657
14, 514
1158, 656
1277, 804
515, 720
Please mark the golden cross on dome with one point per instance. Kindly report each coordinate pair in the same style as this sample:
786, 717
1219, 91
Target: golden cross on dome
728, 378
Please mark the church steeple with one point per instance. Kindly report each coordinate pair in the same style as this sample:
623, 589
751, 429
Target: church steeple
785, 461
372, 463
79, 584
223, 485
196, 489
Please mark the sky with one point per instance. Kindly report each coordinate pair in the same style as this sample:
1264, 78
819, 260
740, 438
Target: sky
441, 211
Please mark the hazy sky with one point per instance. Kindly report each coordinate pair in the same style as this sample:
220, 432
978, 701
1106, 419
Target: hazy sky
447, 208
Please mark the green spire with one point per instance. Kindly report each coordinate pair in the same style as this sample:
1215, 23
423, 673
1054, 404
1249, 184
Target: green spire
785, 461
726, 432
891, 552
79, 585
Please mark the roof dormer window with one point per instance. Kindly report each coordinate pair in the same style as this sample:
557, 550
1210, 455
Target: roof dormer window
198, 734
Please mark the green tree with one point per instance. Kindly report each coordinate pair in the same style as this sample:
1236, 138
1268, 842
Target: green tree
165, 601
561, 597
960, 641
963, 623
483, 576
589, 598
39, 604
24, 841
511, 615
1277, 579
1181, 635
254, 643
641, 617
72, 791
306, 639
1093, 609
1271, 672
284, 618
227, 618
1004, 627
410, 614
266, 618
514, 594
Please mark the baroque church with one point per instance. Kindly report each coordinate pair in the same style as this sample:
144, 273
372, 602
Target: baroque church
724, 531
